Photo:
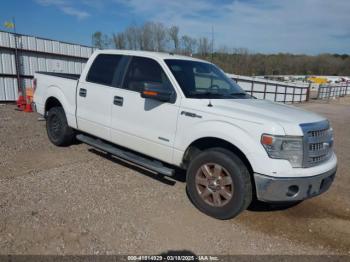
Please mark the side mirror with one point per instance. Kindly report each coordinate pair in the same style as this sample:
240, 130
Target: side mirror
157, 91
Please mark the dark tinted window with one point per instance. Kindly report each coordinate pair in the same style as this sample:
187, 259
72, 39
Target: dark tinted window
144, 70
104, 69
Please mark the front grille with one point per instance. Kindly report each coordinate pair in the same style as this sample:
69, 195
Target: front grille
318, 143
317, 133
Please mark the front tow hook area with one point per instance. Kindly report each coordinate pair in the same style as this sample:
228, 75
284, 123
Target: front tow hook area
273, 189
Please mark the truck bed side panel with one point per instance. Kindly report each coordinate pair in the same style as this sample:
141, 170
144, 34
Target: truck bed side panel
59, 87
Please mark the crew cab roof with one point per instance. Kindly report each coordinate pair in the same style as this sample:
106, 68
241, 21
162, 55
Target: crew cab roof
149, 54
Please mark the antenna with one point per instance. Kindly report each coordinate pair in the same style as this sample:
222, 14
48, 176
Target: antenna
212, 43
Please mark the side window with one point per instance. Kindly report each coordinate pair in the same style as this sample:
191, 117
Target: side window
104, 69
142, 70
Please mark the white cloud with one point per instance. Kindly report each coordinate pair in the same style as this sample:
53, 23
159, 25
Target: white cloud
66, 7
298, 26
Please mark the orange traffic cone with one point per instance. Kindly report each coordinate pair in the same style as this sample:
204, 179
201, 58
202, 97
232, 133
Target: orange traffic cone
21, 102
28, 105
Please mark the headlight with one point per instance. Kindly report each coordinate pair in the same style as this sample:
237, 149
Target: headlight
284, 147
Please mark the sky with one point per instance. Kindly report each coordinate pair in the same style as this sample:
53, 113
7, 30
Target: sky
265, 26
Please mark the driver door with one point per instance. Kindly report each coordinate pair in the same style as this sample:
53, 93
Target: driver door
145, 125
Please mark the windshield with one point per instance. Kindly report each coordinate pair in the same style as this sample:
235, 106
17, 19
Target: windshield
204, 80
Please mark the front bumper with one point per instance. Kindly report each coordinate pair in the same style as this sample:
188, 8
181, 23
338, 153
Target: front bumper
274, 189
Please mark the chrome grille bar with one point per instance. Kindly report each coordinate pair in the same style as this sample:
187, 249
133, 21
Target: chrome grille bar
318, 143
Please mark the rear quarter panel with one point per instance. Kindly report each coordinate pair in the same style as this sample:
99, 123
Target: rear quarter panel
63, 89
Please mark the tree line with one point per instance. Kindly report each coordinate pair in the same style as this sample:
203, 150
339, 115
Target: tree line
242, 62
152, 36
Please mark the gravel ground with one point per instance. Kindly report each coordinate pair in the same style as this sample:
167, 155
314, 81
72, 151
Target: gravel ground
76, 200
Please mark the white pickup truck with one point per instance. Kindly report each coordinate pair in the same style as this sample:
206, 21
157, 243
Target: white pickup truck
165, 111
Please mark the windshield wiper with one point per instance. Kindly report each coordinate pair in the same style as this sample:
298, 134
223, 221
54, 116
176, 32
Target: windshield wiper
207, 93
238, 94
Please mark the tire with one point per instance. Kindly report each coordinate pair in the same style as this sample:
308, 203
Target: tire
58, 131
219, 200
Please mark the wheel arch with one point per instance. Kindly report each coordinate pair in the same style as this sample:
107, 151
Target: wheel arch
51, 102
205, 143
55, 97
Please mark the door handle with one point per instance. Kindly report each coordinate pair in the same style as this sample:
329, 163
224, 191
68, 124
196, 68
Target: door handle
82, 92
118, 101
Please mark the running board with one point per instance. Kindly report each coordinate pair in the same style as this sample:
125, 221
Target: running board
153, 165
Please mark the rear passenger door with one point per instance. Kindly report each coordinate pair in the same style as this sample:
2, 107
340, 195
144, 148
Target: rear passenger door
95, 95
144, 125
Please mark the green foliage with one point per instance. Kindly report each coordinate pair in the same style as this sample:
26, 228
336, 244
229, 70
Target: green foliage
245, 63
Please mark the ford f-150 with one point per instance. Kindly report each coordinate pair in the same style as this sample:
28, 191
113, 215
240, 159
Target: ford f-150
165, 112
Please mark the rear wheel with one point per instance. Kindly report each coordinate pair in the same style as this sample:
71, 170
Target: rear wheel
219, 184
57, 127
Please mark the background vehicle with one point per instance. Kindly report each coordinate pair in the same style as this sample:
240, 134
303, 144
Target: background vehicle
163, 111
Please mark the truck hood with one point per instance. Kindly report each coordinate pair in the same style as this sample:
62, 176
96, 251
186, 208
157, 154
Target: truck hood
264, 112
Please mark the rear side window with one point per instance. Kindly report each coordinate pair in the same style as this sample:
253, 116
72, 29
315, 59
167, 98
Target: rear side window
142, 70
104, 69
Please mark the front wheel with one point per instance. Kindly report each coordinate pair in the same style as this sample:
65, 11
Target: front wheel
219, 183
58, 131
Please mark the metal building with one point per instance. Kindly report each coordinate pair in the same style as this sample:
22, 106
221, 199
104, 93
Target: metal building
22, 55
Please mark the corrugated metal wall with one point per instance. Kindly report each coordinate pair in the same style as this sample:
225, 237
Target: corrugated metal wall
36, 54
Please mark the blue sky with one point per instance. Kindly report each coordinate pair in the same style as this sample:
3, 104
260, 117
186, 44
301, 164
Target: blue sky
267, 26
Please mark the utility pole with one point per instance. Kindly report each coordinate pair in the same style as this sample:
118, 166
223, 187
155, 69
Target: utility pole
18, 74
212, 43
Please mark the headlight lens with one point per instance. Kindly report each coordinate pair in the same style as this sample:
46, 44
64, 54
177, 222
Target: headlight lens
284, 147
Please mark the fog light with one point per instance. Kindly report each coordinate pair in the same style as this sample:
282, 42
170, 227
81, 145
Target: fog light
292, 191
